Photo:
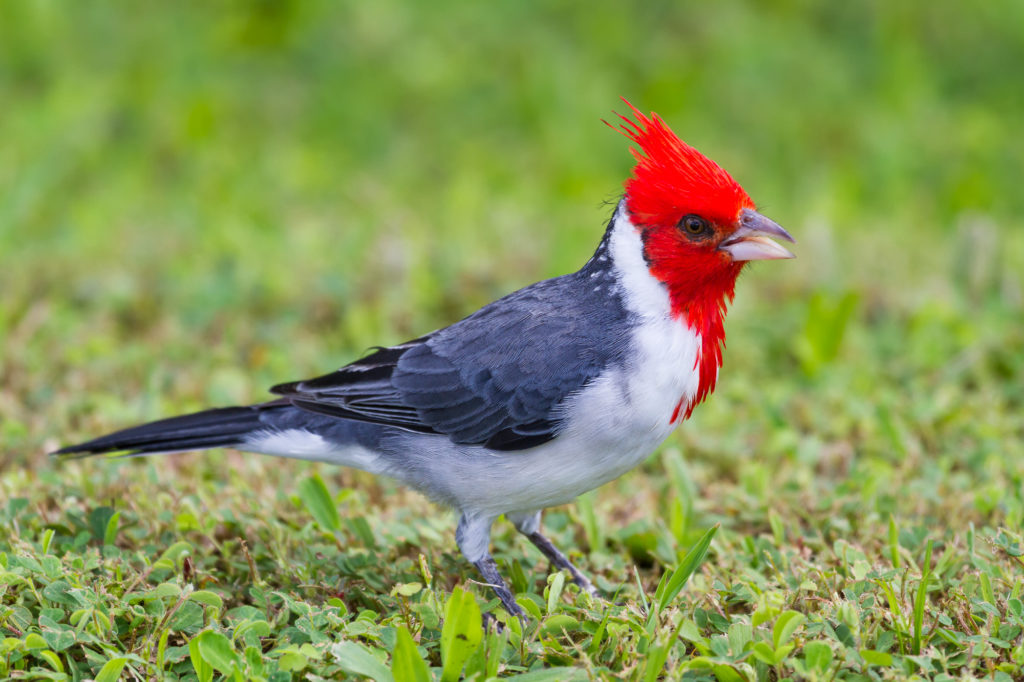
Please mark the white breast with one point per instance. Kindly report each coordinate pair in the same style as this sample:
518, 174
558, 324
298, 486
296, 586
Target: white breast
663, 374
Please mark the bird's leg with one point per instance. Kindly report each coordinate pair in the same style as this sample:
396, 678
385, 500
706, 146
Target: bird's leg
529, 525
489, 570
473, 537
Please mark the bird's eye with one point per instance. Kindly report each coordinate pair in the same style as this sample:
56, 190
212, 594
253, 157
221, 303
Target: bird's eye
695, 226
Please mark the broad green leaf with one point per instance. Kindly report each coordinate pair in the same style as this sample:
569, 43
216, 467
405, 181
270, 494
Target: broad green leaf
255, 628
162, 590
311, 651
554, 625
555, 586
690, 563
406, 663
188, 617
174, 552
783, 652
60, 592
216, 650
763, 652
255, 659
763, 613
110, 532
408, 589
356, 660
206, 597
785, 626
531, 608
34, 640
111, 670
872, 657
292, 661
689, 631
52, 658
461, 634
204, 671
739, 635
314, 495
99, 521
726, 673
59, 638
818, 656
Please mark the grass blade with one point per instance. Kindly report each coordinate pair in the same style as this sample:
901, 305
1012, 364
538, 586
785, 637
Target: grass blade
111, 670
355, 659
921, 597
690, 563
894, 542
216, 650
461, 634
406, 663
314, 495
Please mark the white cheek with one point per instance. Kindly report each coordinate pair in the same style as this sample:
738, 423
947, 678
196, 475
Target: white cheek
663, 372
644, 294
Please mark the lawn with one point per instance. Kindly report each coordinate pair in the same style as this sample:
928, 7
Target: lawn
199, 200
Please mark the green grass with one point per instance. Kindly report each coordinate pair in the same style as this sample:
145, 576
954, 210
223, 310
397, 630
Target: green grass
197, 202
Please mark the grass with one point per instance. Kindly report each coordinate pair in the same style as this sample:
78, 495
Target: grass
199, 201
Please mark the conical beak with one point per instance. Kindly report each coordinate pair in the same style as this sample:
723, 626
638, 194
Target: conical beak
752, 240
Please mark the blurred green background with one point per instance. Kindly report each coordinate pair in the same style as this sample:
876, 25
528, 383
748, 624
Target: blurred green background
200, 199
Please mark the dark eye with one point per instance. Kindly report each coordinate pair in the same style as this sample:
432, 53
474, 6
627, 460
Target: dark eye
695, 226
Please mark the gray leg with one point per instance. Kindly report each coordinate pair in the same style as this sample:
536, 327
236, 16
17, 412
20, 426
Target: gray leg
473, 536
529, 525
489, 570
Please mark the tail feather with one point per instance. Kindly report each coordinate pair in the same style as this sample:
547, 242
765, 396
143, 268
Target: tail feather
221, 427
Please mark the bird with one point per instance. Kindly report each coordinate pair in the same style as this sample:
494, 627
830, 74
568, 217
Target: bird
539, 396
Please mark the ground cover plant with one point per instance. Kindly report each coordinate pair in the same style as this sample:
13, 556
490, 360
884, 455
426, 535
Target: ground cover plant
198, 202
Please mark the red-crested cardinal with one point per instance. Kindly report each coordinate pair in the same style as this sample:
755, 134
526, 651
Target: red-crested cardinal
542, 395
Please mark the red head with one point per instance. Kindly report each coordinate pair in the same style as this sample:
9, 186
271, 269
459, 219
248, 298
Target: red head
698, 228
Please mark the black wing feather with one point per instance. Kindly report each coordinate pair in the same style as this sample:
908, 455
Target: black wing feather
495, 378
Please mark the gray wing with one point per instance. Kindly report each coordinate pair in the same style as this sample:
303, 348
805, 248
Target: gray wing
495, 378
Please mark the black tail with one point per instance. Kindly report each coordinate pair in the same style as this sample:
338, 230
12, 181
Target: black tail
222, 427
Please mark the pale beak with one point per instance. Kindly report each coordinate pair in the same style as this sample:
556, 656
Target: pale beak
752, 241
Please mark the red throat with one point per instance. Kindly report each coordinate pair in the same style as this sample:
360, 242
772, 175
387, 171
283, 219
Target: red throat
700, 300
671, 180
